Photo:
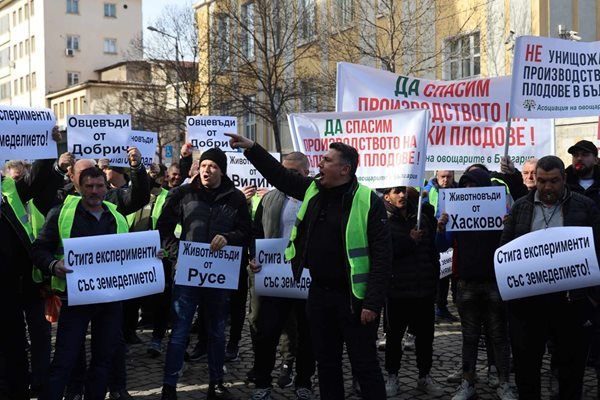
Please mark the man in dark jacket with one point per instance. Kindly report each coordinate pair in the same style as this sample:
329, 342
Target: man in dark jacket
477, 296
349, 262
565, 315
415, 274
210, 210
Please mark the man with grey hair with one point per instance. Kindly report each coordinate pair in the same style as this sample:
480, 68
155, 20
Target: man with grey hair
529, 173
568, 314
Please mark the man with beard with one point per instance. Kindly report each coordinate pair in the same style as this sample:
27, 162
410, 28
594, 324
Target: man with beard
583, 176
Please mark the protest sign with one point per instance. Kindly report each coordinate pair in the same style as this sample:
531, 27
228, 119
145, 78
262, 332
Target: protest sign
390, 144
555, 78
198, 266
243, 173
146, 143
275, 277
113, 267
474, 209
26, 133
446, 263
468, 117
208, 132
100, 136
547, 261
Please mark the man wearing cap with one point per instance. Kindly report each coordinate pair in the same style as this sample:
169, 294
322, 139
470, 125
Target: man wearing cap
583, 175
210, 210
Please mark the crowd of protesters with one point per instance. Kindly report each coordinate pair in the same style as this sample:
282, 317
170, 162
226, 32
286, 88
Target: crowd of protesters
373, 258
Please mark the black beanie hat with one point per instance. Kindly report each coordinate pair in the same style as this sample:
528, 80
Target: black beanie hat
217, 156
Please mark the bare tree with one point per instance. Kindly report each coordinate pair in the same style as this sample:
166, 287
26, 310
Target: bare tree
259, 50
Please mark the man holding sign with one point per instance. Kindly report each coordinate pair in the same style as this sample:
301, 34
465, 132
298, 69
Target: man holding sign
567, 315
210, 210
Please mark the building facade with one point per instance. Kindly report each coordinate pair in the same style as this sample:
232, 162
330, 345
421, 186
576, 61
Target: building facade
49, 45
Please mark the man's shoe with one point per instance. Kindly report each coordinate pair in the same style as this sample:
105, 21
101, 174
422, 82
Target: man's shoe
492, 376
391, 385
457, 376
429, 386
168, 393
505, 392
120, 395
232, 352
303, 393
286, 376
154, 348
381, 343
261, 394
409, 342
199, 353
216, 391
465, 391
445, 314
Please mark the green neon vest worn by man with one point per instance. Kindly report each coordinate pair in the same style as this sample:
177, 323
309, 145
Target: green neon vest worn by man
357, 242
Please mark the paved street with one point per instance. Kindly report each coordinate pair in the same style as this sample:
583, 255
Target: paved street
145, 374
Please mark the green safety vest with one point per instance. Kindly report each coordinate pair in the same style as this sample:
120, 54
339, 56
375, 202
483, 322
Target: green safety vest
357, 242
254, 202
156, 210
433, 198
9, 190
37, 221
65, 225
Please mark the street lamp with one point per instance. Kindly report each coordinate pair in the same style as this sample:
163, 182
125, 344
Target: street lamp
163, 33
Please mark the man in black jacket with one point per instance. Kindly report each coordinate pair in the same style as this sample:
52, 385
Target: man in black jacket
210, 210
565, 315
341, 235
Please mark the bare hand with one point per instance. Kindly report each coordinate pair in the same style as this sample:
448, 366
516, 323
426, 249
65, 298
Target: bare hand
161, 254
65, 161
239, 142
262, 191
367, 316
186, 150
254, 266
134, 156
218, 243
442, 221
56, 135
249, 191
60, 270
506, 165
416, 235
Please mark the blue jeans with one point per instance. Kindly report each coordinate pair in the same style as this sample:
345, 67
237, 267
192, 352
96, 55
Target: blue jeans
216, 306
72, 327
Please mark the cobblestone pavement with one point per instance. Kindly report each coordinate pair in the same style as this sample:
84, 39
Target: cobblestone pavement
145, 373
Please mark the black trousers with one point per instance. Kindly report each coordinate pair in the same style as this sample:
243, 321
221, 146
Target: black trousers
14, 374
272, 317
334, 319
419, 315
531, 321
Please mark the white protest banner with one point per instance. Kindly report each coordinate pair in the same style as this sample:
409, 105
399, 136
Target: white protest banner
146, 143
474, 209
26, 133
275, 277
390, 144
547, 261
197, 265
113, 267
243, 173
555, 78
208, 132
468, 117
99, 136
446, 263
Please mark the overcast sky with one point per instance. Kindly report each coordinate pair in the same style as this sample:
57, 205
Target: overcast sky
151, 8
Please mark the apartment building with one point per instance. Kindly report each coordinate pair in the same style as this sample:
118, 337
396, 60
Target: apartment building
49, 45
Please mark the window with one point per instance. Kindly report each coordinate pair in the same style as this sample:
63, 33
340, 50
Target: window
222, 39
32, 42
110, 10
110, 46
14, 18
308, 97
5, 90
55, 109
27, 83
463, 57
307, 22
16, 86
72, 6
344, 11
61, 108
72, 78
250, 119
4, 24
33, 80
21, 85
26, 46
75, 107
73, 42
5, 57
384, 7
20, 49
248, 30
68, 107
26, 10
32, 8
15, 54
20, 14
82, 104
